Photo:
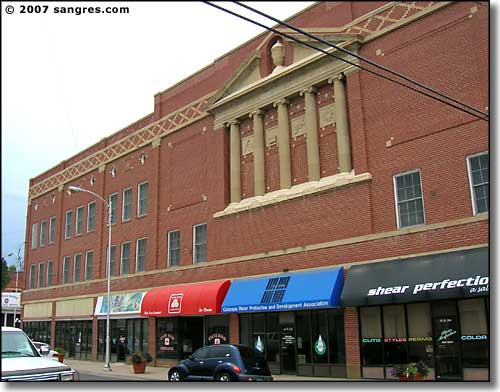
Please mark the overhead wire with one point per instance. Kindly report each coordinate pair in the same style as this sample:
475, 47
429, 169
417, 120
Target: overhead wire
345, 60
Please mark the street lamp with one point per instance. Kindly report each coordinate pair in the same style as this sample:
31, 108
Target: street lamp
75, 189
18, 264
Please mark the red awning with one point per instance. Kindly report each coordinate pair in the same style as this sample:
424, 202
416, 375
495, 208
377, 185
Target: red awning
189, 299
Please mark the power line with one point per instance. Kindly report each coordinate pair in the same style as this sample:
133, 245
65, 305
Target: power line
359, 57
347, 61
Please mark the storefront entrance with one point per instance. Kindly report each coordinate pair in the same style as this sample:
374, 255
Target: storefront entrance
288, 349
446, 344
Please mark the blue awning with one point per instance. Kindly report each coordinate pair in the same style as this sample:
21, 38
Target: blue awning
292, 291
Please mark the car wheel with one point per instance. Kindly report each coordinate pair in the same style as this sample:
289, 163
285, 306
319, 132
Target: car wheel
224, 376
175, 375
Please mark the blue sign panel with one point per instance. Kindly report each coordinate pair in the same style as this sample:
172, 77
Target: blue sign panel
292, 291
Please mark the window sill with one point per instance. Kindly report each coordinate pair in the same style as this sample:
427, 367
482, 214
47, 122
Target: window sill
325, 184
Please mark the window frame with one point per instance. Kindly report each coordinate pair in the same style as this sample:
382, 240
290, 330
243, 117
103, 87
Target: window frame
32, 276
139, 214
137, 254
92, 203
396, 199
194, 242
115, 215
471, 185
78, 232
123, 204
121, 257
65, 274
79, 268
86, 277
49, 282
169, 261
41, 275
43, 233
34, 235
68, 225
52, 230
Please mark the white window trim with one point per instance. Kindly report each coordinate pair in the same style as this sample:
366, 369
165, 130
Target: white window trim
86, 260
194, 241
121, 257
109, 201
139, 198
88, 215
123, 205
471, 185
47, 273
74, 267
76, 221
137, 254
34, 235
41, 231
52, 219
168, 245
38, 280
110, 253
66, 236
32, 283
395, 189
64, 277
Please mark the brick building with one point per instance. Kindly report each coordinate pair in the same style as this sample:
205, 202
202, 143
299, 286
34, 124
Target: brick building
286, 199
11, 299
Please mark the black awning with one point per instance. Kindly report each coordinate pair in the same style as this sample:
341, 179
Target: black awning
459, 274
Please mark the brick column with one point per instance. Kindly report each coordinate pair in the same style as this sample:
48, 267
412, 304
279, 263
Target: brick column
351, 331
152, 338
284, 144
235, 161
342, 125
311, 123
258, 152
234, 328
95, 335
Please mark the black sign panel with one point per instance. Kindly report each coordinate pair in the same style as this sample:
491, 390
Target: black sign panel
446, 275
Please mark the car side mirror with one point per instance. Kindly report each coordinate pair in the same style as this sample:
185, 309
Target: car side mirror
45, 350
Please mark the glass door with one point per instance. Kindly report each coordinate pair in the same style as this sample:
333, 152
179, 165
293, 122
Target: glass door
288, 349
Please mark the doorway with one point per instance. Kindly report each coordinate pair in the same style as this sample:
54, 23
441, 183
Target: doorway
191, 333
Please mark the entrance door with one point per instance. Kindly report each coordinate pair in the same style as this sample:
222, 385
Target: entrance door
191, 335
447, 345
288, 349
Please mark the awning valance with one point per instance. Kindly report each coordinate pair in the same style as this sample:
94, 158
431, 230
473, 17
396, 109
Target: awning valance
292, 291
190, 299
459, 274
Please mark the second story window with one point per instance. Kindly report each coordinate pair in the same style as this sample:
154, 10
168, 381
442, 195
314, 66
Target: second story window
32, 277
52, 230
50, 273
89, 264
479, 180
43, 233
112, 264
65, 272
91, 216
142, 199
79, 221
140, 264
113, 200
41, 274
68, 225
34, 235
174, 242
77, 268
409, 199
200, 243
125, 260
127, 205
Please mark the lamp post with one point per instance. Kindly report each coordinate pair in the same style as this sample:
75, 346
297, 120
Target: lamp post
18, 264
72, 189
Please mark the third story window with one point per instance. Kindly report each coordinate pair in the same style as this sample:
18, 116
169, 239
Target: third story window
43, 233
34, 234
174, 240
52, 230
142, 199
91, 217
67, 228
200, 243
409, 199
79, 221
127, 204
479, 177
113, 201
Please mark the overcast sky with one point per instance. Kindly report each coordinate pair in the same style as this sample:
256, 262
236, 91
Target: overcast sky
69, 80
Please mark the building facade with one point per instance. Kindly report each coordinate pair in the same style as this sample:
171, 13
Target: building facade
11, 299
287, 199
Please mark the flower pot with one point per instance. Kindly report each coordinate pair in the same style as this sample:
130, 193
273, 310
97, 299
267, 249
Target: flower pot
418, 377
60, 357
139, 367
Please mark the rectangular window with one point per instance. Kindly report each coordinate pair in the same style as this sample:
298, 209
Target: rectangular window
41, 274
32, 276
409, 199
113, 201
77, 268
65, 275
127, 205
79, 221
174, 241
140, 264
69, 222
34, 235
395, 347
52, 230
89, 264
112, 264
91, 217
50, 273
371, 336
474, 324
125, 259
43, 233
200, 243
142, 199
479, 180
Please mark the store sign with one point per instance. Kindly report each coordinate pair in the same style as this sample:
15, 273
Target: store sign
175, 303
120, 303
371, 340
420, 339
259, 344
394, 340
166, 342
217, 338
11, 300
320, 346
446, 336
473, 337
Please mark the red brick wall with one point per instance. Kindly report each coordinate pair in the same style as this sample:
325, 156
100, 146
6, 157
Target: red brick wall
351, 333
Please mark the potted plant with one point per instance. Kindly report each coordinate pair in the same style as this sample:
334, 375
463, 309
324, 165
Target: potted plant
60, 354
139, 361
414, 371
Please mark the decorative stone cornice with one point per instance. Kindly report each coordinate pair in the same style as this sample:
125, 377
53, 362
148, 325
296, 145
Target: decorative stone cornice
282, 101
311, 89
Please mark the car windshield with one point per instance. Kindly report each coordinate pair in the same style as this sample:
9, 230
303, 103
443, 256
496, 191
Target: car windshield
16, 344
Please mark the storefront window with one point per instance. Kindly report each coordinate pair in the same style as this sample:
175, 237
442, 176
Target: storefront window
246, 329
168, 343
303, 322
38, 331
259, 331
319, 336
420, 342
371, 336
217, 329
395, 347
336, 339
474, 333
272, 337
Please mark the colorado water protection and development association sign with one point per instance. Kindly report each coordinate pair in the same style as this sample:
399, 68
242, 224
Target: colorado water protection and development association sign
11, 300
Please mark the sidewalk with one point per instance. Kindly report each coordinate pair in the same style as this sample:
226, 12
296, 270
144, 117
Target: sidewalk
126, 372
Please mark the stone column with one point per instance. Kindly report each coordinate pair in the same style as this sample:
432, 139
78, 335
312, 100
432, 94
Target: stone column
235, 161
258, 152
284, 144
311, 123
342, 125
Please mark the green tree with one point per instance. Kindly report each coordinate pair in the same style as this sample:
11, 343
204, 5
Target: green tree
12, 268
5, 274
